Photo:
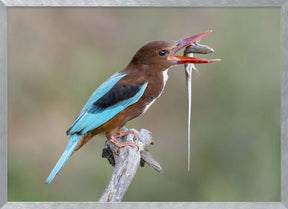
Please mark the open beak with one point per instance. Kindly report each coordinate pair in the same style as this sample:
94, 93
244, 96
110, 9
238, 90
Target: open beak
186, 42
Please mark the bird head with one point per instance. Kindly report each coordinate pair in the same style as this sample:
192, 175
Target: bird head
162, 54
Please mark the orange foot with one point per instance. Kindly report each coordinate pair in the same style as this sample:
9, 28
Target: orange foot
123, 144
124, 133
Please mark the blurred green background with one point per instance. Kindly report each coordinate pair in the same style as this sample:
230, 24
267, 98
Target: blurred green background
58, 56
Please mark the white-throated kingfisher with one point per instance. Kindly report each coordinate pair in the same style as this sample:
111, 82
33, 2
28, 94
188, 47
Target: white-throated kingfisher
126, 95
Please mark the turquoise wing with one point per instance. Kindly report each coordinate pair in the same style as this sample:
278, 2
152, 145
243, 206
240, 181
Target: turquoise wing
102, 90
106, 102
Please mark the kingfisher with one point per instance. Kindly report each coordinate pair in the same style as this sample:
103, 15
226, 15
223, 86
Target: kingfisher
126, 95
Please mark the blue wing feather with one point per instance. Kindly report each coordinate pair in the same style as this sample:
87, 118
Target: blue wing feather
98, 93
102, 89
73, 141
92, 117
95, 120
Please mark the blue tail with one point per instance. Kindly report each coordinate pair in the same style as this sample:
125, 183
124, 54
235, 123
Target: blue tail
73, 141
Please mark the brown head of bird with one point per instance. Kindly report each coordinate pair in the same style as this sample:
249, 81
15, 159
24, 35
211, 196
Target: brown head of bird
160, 55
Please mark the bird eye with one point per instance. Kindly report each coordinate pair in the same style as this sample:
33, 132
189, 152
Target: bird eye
163, 52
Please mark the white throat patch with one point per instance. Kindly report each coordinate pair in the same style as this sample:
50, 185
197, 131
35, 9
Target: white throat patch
165, 78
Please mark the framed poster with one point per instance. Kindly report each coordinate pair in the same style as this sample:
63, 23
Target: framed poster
58, 56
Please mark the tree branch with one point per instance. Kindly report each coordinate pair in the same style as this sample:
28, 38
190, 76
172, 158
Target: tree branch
126, 163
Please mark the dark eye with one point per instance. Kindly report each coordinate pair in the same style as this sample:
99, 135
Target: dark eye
163, 52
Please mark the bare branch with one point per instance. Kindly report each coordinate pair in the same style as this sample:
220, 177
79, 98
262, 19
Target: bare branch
126, 163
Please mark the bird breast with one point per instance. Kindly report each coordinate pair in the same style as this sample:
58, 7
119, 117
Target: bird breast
158, 88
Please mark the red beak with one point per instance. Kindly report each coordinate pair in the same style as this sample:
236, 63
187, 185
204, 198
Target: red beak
186, 42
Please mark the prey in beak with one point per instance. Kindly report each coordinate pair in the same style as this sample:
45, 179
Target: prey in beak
191, 46
184, 43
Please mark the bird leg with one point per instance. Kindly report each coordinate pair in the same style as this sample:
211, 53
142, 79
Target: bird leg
123, 144
124, 133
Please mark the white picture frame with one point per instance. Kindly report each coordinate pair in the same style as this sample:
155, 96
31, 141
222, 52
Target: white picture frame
281, 4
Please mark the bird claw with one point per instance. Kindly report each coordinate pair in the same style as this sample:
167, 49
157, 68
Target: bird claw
124, 133
123, 144
119, 144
